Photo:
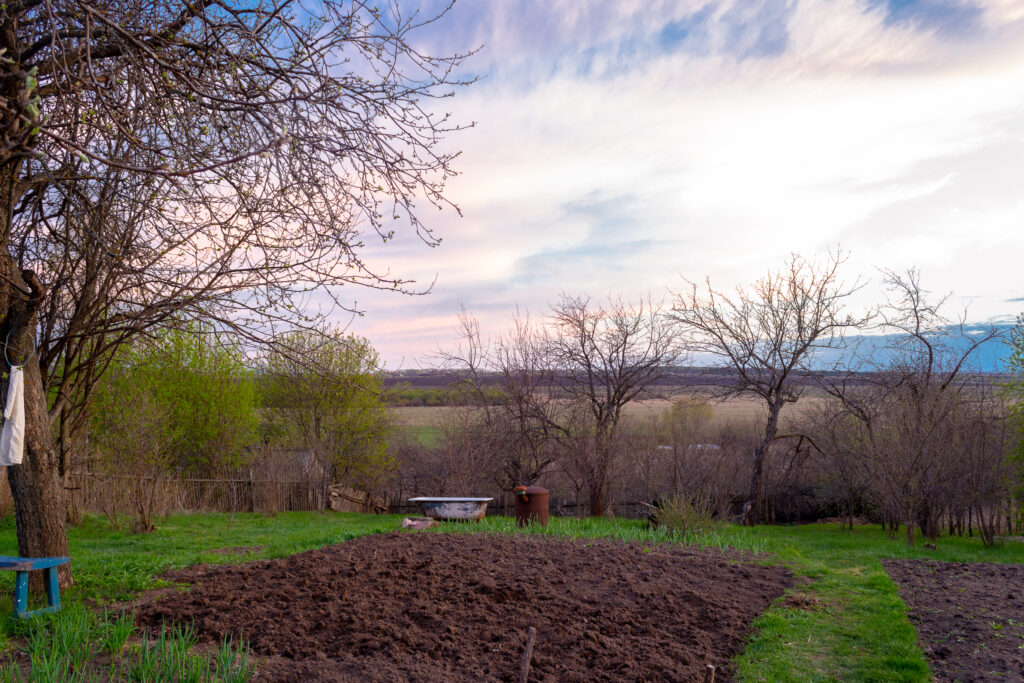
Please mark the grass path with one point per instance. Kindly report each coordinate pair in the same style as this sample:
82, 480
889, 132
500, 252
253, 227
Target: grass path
858, 631
846, 623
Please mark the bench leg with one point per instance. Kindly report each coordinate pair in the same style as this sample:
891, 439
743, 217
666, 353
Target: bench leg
20, 594
52, 588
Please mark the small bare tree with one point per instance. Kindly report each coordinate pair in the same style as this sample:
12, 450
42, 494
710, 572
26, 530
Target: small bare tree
132, 447
605, 357
769, 335
684, 428
985, 472
513, 413
842, 469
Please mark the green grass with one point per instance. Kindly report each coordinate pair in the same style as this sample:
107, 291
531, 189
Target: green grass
65, 647
852, 626
725, 537
427, 435
860, 632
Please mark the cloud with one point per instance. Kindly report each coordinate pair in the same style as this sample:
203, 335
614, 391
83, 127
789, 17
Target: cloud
947, 16
620, 144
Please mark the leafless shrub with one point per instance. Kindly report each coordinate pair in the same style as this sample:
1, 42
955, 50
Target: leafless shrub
472, 447
985, 475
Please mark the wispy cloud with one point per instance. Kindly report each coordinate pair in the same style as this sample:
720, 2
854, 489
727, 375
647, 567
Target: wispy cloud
620, 144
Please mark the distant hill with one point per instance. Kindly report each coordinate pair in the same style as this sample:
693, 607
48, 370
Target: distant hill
991, 358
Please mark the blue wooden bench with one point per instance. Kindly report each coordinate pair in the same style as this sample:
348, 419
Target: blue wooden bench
23, 565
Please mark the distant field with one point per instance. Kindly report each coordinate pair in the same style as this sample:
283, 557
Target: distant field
737, 408
428, 436
424, 423
419, 416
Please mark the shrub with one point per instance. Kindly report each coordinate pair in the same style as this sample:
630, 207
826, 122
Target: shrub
684, 513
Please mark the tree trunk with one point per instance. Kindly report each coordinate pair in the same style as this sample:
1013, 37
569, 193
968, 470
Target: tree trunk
750, 508
40, 505
599, 478
596, 501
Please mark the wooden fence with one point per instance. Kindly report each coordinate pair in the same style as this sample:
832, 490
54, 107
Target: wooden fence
109, 494
118, 494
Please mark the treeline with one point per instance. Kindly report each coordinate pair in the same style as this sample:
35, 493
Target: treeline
404, 395
922, 442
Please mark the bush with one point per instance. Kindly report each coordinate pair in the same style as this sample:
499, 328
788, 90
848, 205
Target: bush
685, 514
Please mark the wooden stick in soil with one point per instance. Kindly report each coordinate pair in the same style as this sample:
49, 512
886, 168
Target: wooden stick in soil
524, 667
709, 674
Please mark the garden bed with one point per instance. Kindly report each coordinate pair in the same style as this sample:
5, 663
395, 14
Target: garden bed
426, 606
969, 617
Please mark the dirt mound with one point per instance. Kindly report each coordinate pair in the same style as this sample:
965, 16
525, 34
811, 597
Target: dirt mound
455, 607
969, 616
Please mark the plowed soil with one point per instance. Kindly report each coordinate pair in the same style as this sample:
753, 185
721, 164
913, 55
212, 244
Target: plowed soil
969, 617
457, 607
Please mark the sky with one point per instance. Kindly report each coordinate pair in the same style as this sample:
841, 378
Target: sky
620, 146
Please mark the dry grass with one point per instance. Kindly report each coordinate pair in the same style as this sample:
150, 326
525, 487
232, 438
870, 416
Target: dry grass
742, 408
418, 416
739, 409
732, 410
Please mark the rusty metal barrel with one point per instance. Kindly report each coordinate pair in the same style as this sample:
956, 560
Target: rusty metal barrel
532, 506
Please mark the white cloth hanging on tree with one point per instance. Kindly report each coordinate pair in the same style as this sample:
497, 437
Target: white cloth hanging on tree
12, 439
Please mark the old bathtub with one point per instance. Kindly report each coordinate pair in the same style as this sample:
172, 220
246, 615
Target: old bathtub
452, 509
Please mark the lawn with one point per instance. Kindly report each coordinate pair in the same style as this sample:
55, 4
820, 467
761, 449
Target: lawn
846, 623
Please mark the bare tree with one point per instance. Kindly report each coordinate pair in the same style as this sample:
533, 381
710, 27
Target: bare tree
194, 159
605, 357
769, 335
908, 422
514, 414
561, 386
